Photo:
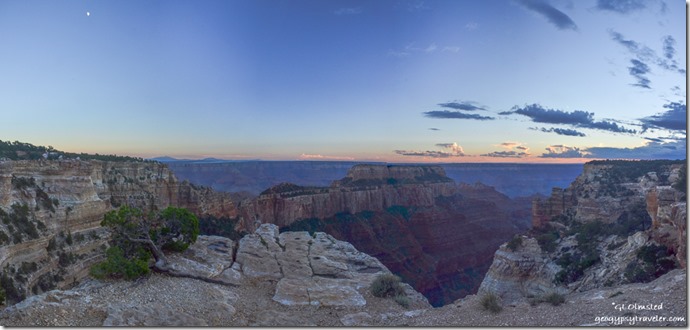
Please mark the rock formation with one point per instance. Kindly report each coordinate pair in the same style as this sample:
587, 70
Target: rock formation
301, 269
438, 236
365, 188
598, 232
51, 212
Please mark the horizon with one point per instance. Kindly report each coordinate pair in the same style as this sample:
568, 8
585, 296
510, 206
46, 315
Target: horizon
433, 81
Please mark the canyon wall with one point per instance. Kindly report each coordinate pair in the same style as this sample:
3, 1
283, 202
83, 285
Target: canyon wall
619, 222
51, 212
438, 236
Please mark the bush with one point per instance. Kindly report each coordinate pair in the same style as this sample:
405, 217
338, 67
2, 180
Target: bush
547, 241
491, 303
515, 243
387, 285
554, 298
117, 266
402, 300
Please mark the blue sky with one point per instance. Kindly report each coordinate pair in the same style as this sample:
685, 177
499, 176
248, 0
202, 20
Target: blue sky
398, 81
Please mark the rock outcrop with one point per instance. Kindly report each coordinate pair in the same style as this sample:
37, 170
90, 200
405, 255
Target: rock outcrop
365, 188
51, 212
301, 269
598, 232
438, 236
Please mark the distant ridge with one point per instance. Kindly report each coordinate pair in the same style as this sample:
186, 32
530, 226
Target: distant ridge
168, 159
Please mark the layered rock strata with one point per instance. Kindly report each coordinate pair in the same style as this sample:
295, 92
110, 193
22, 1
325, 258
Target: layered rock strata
51, 212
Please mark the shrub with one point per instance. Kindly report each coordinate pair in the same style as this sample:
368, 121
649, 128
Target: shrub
554, 298
490, 303
386, 285
402, 300
547, 241
117, 266
515, 243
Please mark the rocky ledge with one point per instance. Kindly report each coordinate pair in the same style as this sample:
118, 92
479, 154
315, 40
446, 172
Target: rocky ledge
266, 279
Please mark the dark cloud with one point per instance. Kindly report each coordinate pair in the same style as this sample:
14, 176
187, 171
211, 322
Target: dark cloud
577, 118
621, 6
467, 105
653, 150
674, 119
669, 47
434, 129
507, 154
563, 131
555, 16
654, 139
639, 70
446, 114
522, 148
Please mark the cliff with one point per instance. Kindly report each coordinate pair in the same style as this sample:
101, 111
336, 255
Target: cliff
51, 212
438, 236
365, 188
619, 222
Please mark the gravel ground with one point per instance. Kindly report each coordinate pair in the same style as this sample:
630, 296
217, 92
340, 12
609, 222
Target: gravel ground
166, 301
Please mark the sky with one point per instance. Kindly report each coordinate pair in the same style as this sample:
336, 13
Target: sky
385, 80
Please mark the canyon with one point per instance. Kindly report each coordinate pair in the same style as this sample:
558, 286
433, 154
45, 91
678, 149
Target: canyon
452, 242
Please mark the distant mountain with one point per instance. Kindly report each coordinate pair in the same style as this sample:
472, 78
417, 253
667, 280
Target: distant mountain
168, 159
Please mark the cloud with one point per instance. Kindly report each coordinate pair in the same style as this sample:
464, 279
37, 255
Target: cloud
562, 151
639, 70
451, 49
621, 6
308, 156
446, 114
507, 154
669, 47
577, 118
646, 55
417, 6
674, 119
431, 48
348, 11
654, 139
562, 131
471, 26
553, 15
434, 129
652, 150
522, 148
453, 150
462, 105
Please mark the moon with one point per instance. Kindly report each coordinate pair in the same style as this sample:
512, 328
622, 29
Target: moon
88, 13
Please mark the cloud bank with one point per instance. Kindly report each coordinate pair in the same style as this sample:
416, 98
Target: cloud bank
449, 150
561, 131
674, 119
652, 150
446, 114
621, 6
577, 118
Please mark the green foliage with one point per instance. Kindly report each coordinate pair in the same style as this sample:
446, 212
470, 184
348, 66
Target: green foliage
399, 210
136, 237
553, 298
547, 240
402, 300
386, 285
514, 243
69, 240
117, 265
652, 262
210, 225
23, 182
21, 150
3, 296
12, 293
490, 302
